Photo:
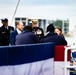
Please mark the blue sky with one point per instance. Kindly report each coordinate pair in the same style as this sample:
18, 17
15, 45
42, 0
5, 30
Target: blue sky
38, 2
50, 9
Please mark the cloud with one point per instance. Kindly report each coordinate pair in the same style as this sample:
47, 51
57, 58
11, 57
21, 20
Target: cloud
38, 2
50, 11
39, 11
7, 1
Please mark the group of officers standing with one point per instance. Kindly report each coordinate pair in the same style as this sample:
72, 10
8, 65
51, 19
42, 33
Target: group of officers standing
27, 34
8, 33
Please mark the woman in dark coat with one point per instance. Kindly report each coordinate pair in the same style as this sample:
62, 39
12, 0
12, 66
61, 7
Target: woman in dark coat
53, 37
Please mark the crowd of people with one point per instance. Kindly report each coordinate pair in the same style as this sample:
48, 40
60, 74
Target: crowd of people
29, 34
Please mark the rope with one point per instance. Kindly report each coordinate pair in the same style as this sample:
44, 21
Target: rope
15, 12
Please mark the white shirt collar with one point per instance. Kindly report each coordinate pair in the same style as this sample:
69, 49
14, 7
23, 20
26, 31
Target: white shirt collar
18, 31
6, 27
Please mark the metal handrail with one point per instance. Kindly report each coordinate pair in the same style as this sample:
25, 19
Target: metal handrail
65, 59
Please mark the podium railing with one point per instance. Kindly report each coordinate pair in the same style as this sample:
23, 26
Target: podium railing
66, 66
